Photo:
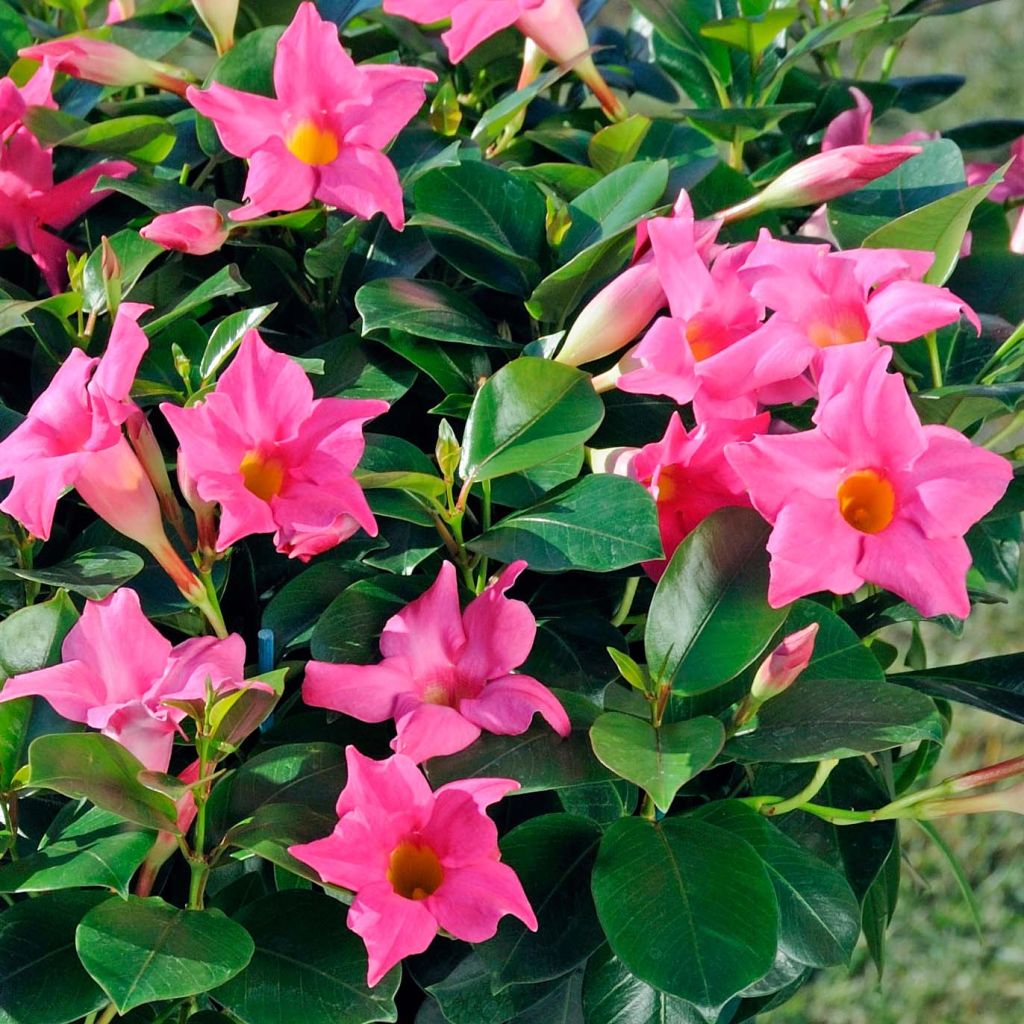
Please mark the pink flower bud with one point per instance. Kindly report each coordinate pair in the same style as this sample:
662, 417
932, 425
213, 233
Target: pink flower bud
198, 230
146, 447
780, 669
1011, 799
204, 511
96, 60
987, 776
219, 17
822, 177
615, 315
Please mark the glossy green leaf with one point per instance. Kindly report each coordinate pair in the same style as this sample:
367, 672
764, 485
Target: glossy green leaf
553, 856
529, 412
995, 684
617, 144
819, 915
142, 950
659, 761
753, 35
227, 336
141, 137
226, 281
709, 618
41, 979
425, 309
31, 637
94, 574
819, 718
838, 652
601, 522
86, 847
691, 887
99, 769
307, 966
134, 254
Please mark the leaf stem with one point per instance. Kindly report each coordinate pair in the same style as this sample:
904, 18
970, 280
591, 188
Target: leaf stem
933, 358
812, 789
626, 601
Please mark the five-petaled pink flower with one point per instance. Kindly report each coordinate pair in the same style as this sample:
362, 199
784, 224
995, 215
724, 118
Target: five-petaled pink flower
197, 230
689, 476
870, 495
15, 99
417, 860
446, 674
72, 437
275, 459
321, 138
118, 673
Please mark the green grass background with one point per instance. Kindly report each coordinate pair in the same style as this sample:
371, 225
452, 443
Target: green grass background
938, 969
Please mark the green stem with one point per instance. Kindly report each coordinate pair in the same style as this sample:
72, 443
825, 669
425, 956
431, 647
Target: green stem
209, 605
107, 1015
812, 789
933, 358
1000, 353
485, 525
626, 601
1011, 428
647, 809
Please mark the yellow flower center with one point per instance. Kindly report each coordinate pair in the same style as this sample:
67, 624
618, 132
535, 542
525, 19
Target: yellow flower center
262, 476
844, 329
312, 144
414, 871
670, 479
696, 336
867, 501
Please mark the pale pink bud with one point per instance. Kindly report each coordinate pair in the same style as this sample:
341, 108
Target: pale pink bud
204, 511
96, 60
119, 10
146, 447
780, 669
219, 17
615, 315
1011, 799
822, 177
987, 776
198, 230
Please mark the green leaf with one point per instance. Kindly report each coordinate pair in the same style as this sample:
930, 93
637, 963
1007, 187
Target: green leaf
601, 522
819, 915
995, 684
613, 995
424, 309
82, 848
31, 638
659, 761
617, 144
227, 281
140, 137
553, 856
701, 919
142, 950
485, 222
14, 34
939, 227
133, 252
538, 759
819, 718
709, 617
307, 966
94, 574
529, 412
41, 979
838, 652
227, 336
99, 769
752, 35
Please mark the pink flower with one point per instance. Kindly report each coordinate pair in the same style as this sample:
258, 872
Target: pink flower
97, 60
689, 476
416, 860
837, 298
781, 668
870, 495
30, 202
276, 459
72, 437
714, 349
15, 100
1012, 185
198, 230
823, 176
321, 138
553, 25
446, 674
853, 127
118, 672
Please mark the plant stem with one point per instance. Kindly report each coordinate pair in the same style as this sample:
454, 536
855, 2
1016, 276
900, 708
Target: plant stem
812, 789
107, 1015
933, 358
1011, 428
626, 601
209, 605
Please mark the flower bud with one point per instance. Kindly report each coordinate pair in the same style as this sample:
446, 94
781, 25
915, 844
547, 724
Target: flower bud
1010, 799
780, 669
110, 270
96, 60
147, 449
986, 776
219, 17
822, 177
615, 315
205, 511
197, 230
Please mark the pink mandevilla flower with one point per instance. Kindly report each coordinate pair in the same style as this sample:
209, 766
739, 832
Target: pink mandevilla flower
321, 138
118, 672
870, 495
15, 100
713, 349
554, 26
832, 299
689, 476
780, 670
72, 437
198, 230
1011, 187
274, 458
417, 860
446, 674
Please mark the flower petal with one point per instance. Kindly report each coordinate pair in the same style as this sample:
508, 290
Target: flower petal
391, 926
430, 730
472, 900
499, 631
507, 707
366, 692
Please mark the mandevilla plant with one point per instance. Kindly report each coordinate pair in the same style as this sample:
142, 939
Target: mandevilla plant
458, 464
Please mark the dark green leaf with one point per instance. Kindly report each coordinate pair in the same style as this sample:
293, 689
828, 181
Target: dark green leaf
992, 684
227, 336
227, 281
93, 574
838, 652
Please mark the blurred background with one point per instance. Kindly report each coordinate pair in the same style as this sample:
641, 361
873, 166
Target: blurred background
939, 969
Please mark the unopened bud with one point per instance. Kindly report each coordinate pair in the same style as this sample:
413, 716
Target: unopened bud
447, 451
197, 230
1011, 799
110, 270
219, 17
780, 669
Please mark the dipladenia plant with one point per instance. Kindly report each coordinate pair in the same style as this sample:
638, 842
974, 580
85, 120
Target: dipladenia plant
451, 516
